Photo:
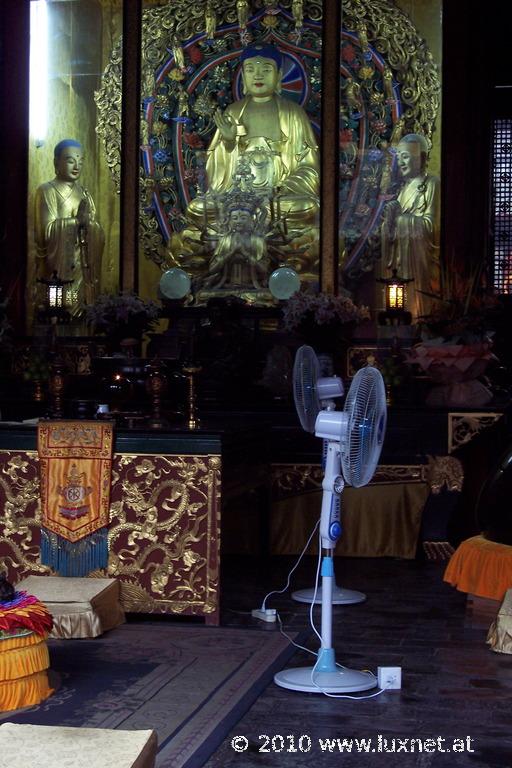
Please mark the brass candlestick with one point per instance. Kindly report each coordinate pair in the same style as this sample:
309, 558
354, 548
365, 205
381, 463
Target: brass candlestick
57, 385
156, 385
190, 371
37, 393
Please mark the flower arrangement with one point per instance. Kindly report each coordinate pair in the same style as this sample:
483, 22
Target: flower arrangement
457, 340
462, 312
124, 315
322, 320
313, 309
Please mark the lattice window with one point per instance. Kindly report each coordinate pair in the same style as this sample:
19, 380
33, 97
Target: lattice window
501, 212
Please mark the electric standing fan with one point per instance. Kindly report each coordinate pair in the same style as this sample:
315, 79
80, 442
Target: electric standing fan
354, 442
312, 394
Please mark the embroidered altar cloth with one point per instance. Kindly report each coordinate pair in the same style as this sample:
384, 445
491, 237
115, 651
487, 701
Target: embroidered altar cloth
75, 465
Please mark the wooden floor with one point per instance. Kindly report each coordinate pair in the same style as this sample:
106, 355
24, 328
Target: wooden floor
454, 687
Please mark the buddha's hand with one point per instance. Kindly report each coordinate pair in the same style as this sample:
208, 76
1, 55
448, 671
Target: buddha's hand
225, 124
392, 210
83, 214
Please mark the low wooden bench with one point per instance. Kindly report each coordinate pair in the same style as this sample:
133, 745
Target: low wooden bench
81, 607
48, 746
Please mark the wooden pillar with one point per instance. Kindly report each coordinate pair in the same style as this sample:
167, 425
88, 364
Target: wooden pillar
330, 163
130, 141
14, 87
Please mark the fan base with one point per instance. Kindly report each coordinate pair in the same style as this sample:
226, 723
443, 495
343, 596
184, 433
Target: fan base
342, 680
339, 596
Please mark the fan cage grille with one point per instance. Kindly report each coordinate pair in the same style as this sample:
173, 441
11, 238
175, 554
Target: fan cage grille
365, 407
306, 372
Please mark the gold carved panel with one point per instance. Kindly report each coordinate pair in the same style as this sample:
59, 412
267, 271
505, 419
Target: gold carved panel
290, 479
440, 472
164, 533
462, 427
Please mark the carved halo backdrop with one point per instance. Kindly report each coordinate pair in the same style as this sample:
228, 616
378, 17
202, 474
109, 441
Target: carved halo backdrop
389, 87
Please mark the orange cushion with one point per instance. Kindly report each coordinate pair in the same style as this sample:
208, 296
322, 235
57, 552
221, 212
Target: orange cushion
24, 662
24, 692
481, 567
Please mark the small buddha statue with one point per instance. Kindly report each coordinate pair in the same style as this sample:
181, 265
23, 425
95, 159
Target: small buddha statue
353, 95
210, 20
242, 9
298, 13
177, 52
363, 35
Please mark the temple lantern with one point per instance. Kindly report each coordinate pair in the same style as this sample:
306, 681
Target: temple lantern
396, 300
55, 308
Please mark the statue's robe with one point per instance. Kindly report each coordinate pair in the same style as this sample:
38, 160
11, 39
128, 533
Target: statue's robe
295, 161
412, 246
57, 240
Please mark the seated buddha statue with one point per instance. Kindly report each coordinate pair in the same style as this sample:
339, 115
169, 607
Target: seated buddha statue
274, 135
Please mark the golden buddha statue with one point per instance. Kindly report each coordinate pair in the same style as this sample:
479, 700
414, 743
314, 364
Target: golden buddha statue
410, 227
68, 237
275, 136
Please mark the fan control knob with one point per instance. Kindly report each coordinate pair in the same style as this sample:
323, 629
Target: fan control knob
338, 484
334, 530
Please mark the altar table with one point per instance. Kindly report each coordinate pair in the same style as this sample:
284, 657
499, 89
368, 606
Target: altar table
168, 492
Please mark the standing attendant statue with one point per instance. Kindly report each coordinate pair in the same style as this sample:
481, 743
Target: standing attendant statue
410, 227
69, 239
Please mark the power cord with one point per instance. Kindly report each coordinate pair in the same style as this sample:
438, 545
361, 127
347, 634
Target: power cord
270, 614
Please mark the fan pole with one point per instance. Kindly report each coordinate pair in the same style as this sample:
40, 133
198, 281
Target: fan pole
326, 676
338, 595
326, 661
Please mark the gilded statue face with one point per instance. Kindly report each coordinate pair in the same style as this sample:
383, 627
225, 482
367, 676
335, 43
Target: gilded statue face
68, 165
260, 76
409, 159
240, 221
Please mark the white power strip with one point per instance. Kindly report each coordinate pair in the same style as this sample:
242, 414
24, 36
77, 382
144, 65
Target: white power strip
389, 677
267, 614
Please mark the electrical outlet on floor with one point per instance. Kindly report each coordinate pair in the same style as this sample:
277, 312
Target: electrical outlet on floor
389, 677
